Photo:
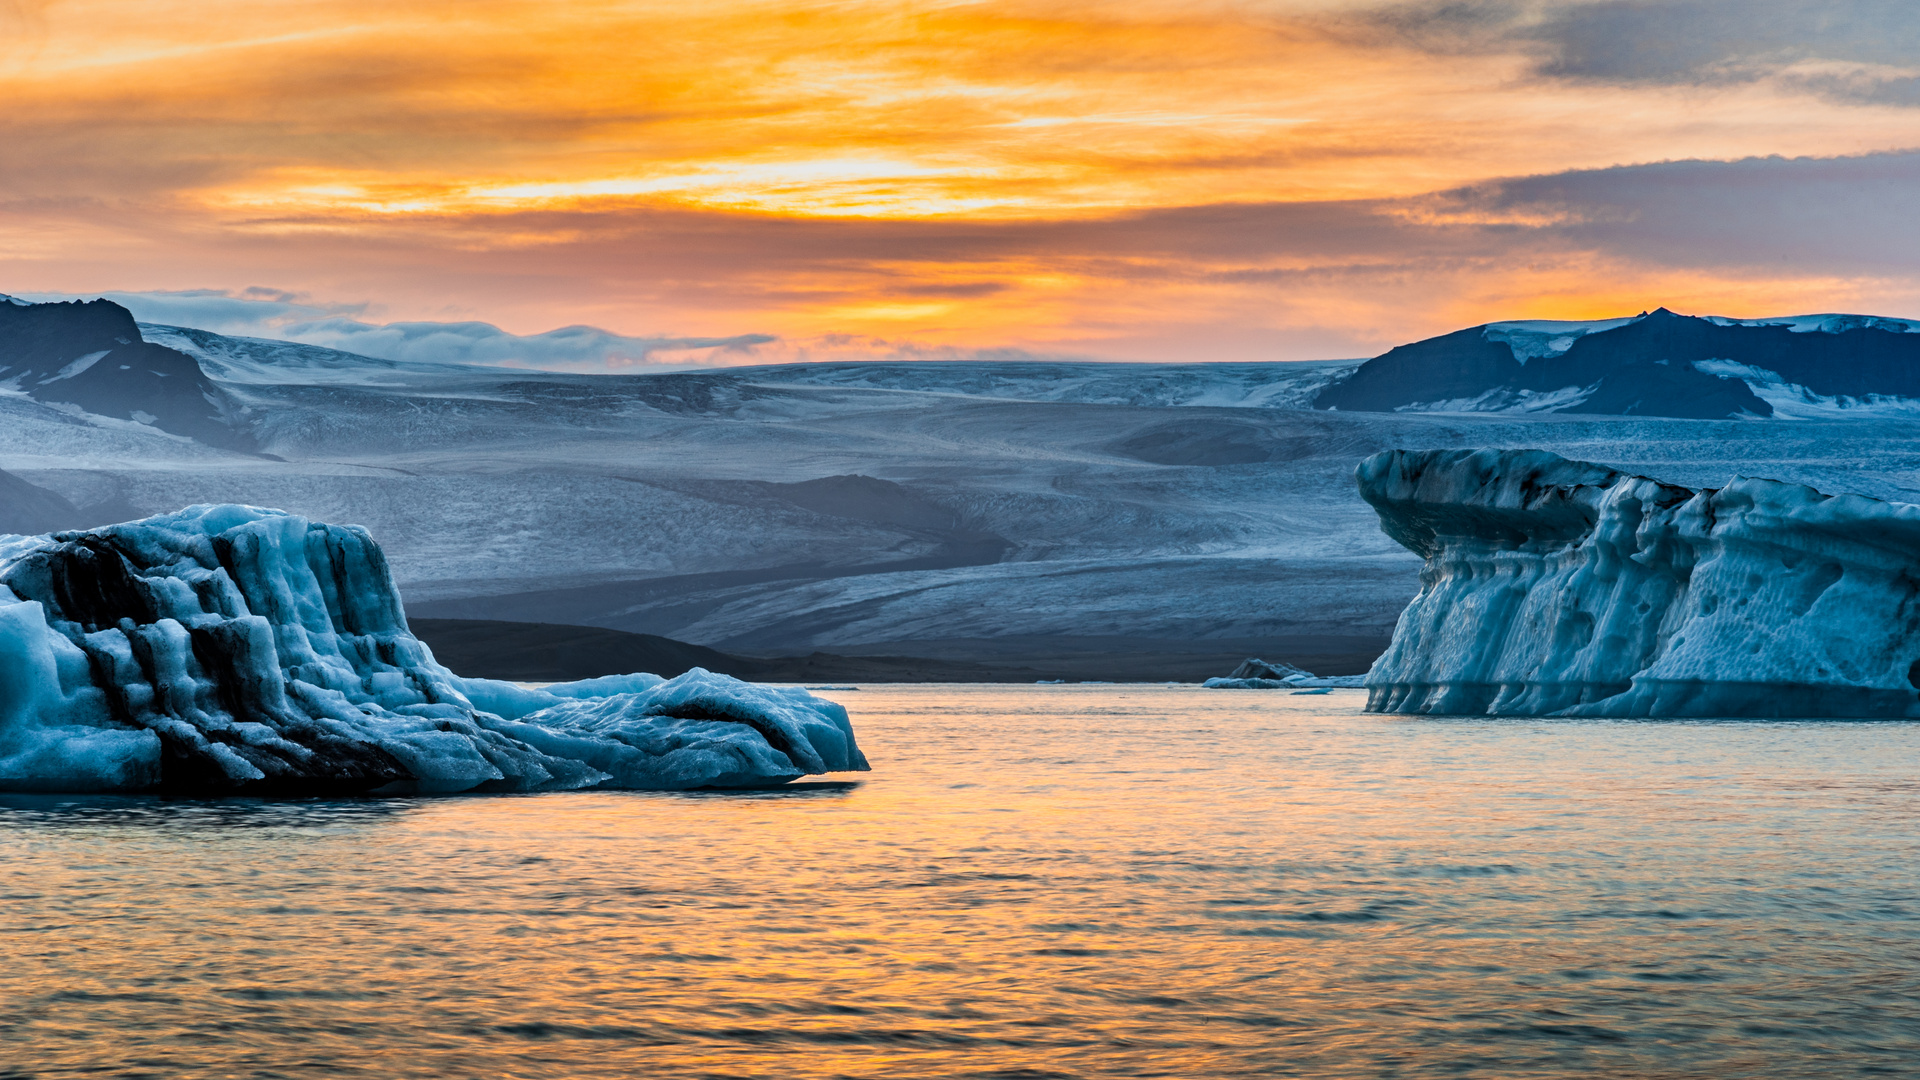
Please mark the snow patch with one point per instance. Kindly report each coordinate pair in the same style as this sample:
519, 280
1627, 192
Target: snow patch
1505, 399
1532, 339
77, 367
1792, 401
1826, 324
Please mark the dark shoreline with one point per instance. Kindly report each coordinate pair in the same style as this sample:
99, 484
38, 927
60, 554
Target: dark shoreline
554, 652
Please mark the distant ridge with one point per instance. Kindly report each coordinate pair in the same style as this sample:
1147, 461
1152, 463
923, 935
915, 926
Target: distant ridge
89, 354
1654, 364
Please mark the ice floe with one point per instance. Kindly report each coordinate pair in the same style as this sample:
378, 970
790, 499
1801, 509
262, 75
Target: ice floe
1257, 674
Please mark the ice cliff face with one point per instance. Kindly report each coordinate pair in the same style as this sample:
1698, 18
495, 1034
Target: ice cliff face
234, 649
1556, 587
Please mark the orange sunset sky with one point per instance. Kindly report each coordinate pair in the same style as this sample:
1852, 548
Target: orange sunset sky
734, 181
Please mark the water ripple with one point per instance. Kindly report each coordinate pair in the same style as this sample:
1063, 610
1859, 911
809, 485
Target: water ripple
1034, 884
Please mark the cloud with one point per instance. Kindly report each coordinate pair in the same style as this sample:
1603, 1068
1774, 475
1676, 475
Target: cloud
1243, 281
284, 315
24, 17
289, 316
568, 348
242, 112
1866, 51
1856, 216
1854, 51
251, 311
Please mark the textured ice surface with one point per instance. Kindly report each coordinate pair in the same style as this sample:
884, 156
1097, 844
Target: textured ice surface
699, 730
229, 648
1557, 587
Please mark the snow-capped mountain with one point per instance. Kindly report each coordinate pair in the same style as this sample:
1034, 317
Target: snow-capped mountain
1655, 364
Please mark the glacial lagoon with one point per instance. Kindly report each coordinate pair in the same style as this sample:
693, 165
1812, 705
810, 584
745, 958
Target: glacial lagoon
1034, 882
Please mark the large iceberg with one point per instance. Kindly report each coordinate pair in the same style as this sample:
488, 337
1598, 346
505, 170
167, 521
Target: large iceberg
235, 649
1556, 587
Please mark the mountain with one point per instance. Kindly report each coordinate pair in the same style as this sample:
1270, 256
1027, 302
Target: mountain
1655, 364
89, 354
999, 513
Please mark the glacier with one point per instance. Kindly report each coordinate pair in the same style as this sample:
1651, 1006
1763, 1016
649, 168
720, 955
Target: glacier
1562, 588
228, 649
1135, 508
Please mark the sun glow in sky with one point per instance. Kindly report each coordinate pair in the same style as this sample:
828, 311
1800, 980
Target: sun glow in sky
1134, 180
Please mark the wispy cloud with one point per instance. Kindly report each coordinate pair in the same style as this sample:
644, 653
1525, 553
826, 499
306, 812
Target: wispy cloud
1241, 281
278, 314
24, 17
1862, 52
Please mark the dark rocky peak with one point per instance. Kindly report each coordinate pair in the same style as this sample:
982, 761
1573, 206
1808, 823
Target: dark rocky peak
41, 334
90, 354
1462, 365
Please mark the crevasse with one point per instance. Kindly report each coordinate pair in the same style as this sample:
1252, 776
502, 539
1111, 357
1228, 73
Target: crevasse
1557, 587
235, 649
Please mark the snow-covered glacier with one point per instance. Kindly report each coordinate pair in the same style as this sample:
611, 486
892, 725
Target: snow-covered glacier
227, 648
1563, 588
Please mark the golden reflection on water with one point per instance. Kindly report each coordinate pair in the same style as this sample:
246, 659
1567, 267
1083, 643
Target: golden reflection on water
1033, 882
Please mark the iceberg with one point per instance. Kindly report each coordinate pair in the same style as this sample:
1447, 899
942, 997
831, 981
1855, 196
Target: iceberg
1257, 674
1564, 588
232, 649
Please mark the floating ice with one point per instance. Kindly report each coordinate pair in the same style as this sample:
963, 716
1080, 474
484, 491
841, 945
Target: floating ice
234, 649
1556, 587
1257, 674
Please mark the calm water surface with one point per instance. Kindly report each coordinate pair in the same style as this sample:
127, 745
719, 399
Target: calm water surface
1033, 882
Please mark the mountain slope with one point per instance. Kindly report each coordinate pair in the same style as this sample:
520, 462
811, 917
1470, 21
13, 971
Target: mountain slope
90, 355
959, 510
1656, 364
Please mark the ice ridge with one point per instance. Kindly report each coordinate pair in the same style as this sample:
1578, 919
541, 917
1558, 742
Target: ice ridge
231, 649
1564, 588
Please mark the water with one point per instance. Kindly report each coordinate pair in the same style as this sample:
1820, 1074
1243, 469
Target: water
1034, 882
